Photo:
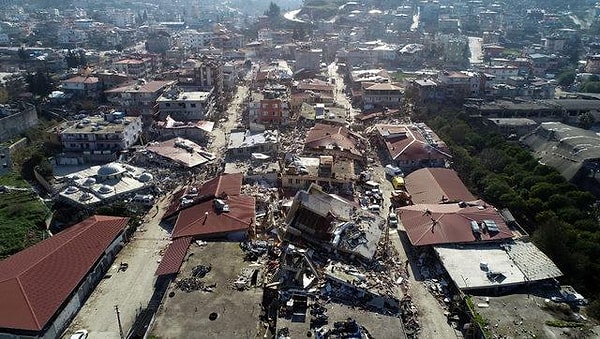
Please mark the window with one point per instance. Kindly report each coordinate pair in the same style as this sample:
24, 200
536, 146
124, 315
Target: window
168, 104
193, 105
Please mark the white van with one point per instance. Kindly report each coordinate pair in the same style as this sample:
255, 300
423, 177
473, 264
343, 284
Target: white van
144, 199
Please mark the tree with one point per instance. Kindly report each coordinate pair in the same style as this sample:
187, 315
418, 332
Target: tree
274, 11
566, 78
586, 120
39, 83
4, 96
22, 54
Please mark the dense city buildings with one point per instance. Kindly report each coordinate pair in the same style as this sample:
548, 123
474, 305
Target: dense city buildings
336, 169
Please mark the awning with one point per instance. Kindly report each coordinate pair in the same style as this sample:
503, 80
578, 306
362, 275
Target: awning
173, 257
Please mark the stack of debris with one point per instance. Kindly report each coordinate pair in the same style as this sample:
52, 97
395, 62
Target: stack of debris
200, 271
190, 284
409, 316
318, 314
249, 277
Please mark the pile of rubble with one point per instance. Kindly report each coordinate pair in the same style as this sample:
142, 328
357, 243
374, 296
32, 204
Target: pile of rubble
191, 284
439, 289
409, 316
200, 271
249, 277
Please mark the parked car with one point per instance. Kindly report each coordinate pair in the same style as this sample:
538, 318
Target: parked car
80, 334
393, 220
393, 171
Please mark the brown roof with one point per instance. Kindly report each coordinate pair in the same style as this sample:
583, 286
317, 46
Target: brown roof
315, 85
149, 87
173, 257
381, 87
230, 184
35, 282
323, 136
408, 143
80, 79
429, 185
203, 220
434, 224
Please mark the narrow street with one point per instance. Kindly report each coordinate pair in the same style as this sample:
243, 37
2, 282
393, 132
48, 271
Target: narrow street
432, 316
142, 254
131, 289
339, 96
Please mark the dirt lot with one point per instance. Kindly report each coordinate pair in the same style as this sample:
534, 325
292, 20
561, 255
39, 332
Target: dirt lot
525, 316
186, 315
98, 314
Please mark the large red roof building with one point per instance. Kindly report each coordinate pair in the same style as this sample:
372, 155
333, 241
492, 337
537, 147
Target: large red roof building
43, 286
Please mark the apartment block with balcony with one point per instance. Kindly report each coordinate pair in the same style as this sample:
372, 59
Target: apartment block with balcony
107, 134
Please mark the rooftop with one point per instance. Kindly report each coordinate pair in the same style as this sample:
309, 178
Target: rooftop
328, 137
94, 184
184, 96
483, 266
563, 147
208, 219
96, 125
146, 87
184, 152
249, 139
58, 264
436, 224
436, 185
412, 142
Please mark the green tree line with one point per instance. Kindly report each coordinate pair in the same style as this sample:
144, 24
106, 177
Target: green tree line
562, 219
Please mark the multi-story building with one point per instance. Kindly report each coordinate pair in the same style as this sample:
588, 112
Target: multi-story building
185, 105
137, 68
109, 134
138, 98
382, 94
308, 59
271, 107
82, 87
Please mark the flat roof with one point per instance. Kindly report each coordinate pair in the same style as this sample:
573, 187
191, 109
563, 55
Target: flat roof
96, 125
185, 96
511, 263
249, 139
181, 151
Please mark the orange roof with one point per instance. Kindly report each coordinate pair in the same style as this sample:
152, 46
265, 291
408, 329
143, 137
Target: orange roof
429, 185
203, 220
435, 224
322, 136
36, 282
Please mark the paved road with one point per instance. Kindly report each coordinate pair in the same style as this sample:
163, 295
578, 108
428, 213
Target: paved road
234, 114
431, 315
131, 289
339, 96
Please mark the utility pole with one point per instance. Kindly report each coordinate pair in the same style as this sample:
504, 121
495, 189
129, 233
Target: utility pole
119, 322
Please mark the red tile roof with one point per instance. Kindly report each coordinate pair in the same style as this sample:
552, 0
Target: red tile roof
173, 257
153, 86
202, 220
408, 143
230, 184
429, 185
322, 136
35, 282
81, 79
435, 224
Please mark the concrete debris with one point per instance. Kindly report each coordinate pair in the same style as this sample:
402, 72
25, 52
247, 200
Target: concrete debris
200, 271
409, 316
191, 284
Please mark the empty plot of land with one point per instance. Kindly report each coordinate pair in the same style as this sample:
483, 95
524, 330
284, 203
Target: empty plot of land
222, 313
